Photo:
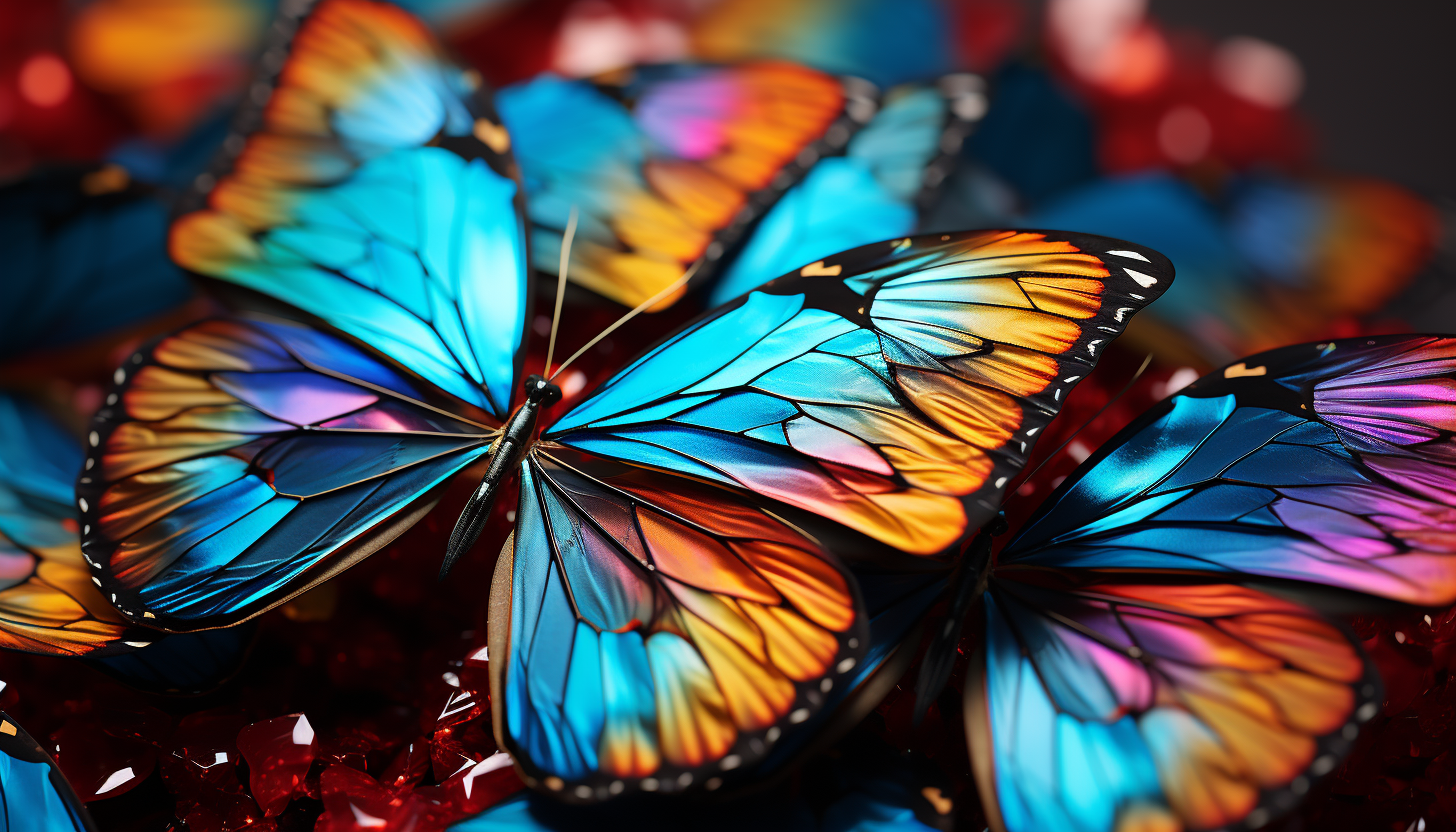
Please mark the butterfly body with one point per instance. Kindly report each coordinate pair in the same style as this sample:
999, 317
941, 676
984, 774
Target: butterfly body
507, 454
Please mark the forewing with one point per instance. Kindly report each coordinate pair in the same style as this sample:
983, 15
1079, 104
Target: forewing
1330, 464
663, 635
893, 389
373, 190
670, 165
48, 603
34, 795
240, 461
1115, 705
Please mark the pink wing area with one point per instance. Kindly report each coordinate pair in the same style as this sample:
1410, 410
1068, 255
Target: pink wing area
1111, 705
240, 461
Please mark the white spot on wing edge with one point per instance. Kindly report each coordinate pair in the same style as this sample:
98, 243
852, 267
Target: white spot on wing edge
1142, 280
1133, 254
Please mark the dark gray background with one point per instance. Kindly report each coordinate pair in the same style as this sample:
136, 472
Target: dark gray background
1380, 77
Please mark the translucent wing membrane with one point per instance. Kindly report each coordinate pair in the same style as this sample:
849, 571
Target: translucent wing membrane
1329, 464
893, 389
48, 603
1110, 705
239, 462
375, 193
663, 635
86, 253
34, 795
669, 165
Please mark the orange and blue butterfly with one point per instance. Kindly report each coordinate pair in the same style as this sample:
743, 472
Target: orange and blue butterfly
712, 551
719, 552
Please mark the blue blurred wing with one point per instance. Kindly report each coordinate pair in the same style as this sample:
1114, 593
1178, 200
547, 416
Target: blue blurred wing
34, 795
48, 603
892, 389
86, 253
876, 190
376, 194
239, 462
1330, 464
658, 634
670, 166
1112, 705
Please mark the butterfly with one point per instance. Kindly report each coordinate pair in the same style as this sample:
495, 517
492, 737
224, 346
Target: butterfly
34, 795
740, 172
1153, 652
712, 551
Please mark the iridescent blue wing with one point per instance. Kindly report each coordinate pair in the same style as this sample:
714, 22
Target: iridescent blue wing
670, 165
48, 603
676, 526
237, 463
86, 253
1138, 669
893, 389
373, 190
657, 634
1330, 464
879, 188
1116, 702
34, 795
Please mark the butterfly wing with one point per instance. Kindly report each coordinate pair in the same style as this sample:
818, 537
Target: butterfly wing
48, 603
238, 462
375, 193
663, 635
880, 187
1108, 704
1330, 464
34, 795
674, 526
86, 253
670, 166
893, 389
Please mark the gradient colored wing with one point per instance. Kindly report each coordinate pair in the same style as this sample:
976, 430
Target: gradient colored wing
1330, 464
670, 166
34, 795
881, 186
48, 603
1113, 705
239, 462
85, 254
893, 389
375, 193
658, 634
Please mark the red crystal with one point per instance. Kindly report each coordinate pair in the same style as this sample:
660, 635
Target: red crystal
98, 764
279, 753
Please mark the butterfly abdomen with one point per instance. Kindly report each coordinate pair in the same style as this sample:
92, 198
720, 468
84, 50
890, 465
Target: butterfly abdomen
515, 440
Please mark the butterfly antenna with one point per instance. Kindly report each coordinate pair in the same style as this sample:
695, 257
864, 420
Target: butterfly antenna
641, 307
561, 285
1110, 402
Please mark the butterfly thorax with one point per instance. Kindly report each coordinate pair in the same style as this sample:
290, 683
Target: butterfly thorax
506, 455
